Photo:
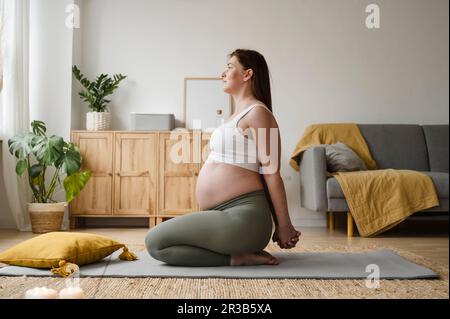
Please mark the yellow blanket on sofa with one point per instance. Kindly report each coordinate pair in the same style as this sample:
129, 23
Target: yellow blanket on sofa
381, 199
378, 199
331, 133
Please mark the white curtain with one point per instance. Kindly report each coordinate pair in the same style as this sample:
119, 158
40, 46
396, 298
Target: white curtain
15, 107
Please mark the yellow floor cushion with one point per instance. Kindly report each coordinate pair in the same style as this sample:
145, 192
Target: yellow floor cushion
63, 251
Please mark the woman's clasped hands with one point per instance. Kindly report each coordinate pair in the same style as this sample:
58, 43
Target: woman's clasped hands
286, 236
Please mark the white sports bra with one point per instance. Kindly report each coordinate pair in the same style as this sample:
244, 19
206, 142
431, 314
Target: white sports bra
228, 145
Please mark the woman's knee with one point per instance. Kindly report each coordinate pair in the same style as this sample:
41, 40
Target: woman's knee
153, 241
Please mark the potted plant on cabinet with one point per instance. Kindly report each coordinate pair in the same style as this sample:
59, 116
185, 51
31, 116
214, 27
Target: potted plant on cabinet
36, 152
95, 93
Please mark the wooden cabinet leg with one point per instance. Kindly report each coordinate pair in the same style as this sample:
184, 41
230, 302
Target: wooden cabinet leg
330, 220
349, 225
159, 220
151, 222
72, 222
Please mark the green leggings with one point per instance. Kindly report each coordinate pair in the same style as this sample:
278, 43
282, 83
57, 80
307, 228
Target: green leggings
209, 238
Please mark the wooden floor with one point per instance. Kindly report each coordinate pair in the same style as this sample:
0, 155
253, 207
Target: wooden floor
425, 238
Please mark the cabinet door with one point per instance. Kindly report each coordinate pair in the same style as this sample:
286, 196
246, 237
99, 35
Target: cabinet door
135, 174
179, 164
97, 156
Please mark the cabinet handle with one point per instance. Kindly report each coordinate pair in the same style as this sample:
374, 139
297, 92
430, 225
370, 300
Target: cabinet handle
140, 174
144, 173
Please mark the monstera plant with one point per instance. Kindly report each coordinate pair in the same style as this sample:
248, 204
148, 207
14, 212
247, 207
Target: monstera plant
36, 153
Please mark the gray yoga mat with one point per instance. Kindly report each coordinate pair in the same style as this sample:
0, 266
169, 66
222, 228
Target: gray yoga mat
326, 265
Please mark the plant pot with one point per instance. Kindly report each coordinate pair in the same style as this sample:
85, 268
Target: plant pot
46, 217
98, 121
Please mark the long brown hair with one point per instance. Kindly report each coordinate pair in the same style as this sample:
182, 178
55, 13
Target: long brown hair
260, 81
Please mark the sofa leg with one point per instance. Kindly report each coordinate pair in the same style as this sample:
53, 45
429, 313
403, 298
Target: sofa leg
349, 225
330, 220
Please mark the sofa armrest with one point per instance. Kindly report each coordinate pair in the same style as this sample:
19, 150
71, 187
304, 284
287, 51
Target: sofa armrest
313, 178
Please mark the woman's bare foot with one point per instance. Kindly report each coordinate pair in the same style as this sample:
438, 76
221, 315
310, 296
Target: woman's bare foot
257, 258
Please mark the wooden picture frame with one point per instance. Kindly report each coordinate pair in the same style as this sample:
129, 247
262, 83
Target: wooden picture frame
199, 98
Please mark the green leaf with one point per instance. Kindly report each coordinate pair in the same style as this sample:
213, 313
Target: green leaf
74, 183
38, 127
35, 174
35, 170
37, 180
20, 145
80, 77
21, 167
70, 160
48, 149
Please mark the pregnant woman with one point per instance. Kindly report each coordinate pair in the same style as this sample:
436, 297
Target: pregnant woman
239, 187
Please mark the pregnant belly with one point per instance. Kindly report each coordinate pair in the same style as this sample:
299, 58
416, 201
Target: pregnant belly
219, 182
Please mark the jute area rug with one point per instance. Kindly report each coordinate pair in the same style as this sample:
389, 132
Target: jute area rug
212, 288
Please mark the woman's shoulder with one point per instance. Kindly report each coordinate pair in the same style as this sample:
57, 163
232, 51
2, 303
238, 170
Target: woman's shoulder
260, 112
258, 116
261, 106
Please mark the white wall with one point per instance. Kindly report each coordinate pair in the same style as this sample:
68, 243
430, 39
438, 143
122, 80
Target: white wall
326, 65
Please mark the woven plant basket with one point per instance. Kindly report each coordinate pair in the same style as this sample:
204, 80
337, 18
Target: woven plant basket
98, 121
46, 217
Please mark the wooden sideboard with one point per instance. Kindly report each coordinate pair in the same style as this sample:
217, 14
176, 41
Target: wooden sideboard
134, 175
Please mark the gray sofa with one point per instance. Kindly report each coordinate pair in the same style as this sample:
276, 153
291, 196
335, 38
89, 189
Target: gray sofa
400, 146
